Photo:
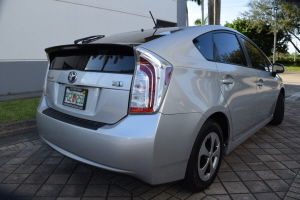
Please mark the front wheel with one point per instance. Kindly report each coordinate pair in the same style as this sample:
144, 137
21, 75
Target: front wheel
206, 157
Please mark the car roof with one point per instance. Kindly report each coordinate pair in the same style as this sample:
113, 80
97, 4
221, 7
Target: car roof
143, 36
138, 37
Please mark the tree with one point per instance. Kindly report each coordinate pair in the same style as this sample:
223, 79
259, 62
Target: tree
198, 21
187, 12
290, 18
197, 1
262, 12
263, 38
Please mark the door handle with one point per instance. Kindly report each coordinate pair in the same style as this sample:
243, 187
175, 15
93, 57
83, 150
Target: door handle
227, 81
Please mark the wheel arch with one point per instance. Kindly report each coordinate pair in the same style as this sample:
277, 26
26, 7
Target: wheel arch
282, 91
223, 122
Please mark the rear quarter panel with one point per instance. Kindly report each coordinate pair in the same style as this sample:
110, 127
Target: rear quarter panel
193, 96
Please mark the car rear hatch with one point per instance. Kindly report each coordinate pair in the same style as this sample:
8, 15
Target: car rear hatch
89, 82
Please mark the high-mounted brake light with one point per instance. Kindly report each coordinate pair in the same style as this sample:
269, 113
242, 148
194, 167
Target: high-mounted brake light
150, 82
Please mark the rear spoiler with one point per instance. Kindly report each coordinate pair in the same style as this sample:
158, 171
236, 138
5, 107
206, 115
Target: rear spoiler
73, 49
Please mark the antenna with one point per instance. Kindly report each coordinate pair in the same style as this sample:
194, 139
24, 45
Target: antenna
156, 27
153, 19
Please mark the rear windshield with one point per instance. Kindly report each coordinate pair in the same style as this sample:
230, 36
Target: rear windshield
118, 60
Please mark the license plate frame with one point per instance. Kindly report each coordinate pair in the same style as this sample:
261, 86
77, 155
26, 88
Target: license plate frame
75, 97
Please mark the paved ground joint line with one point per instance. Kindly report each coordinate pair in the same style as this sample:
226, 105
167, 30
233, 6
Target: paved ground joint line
294, 191
293, 97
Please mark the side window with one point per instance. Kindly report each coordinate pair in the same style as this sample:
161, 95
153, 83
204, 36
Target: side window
258, 60
228, 49
204, 44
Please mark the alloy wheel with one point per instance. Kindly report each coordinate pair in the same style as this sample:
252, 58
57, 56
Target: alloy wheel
209, 156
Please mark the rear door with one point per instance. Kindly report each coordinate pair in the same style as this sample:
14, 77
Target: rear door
90, 81
267, 83
237, 81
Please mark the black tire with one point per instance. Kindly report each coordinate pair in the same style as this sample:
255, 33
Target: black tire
279, 111
199, 181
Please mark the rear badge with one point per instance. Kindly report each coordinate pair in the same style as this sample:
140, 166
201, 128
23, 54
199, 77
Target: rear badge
117, 83
72, 77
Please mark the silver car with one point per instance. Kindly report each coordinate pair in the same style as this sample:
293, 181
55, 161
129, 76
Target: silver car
162, 104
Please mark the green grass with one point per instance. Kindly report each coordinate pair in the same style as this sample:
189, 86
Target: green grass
292, 67
18, 110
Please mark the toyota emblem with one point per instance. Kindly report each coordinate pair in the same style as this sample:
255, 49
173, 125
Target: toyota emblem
72, 77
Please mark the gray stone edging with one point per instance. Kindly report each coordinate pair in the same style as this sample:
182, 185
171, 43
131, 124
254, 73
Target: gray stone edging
21, 145
17, 126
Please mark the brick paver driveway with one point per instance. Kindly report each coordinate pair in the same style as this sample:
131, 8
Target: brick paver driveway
263, 167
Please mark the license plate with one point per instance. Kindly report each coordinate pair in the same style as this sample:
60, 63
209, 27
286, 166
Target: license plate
75, 97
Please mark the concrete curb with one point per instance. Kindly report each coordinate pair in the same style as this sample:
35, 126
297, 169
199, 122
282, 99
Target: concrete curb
17, 126
291, 72
18, 96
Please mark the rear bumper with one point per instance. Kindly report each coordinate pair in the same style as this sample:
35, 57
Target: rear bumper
154, 148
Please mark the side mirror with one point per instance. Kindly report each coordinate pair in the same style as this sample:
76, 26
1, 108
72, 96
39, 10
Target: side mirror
278, 68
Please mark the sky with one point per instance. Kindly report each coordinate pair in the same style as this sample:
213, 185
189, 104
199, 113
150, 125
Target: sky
230, 10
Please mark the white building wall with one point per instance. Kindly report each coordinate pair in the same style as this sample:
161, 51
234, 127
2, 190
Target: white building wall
27, 27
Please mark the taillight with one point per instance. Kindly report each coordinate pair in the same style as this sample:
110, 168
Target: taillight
150, 83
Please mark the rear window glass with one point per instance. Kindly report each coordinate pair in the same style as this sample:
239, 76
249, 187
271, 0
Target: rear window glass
102, 60
204, 44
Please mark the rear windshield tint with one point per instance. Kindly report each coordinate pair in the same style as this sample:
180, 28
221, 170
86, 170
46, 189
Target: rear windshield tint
116, 60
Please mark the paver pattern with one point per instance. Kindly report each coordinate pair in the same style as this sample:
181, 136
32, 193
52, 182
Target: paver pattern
265, 166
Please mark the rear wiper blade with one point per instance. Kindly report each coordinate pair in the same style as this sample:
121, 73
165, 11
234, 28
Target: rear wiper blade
89, 39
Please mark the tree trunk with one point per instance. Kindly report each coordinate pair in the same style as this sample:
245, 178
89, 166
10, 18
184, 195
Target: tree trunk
291, 41
288, 37
217, 12
202, 12
294, 35
210, 12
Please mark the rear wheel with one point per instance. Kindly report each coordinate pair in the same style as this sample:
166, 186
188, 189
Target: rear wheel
279, 111
206, 157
